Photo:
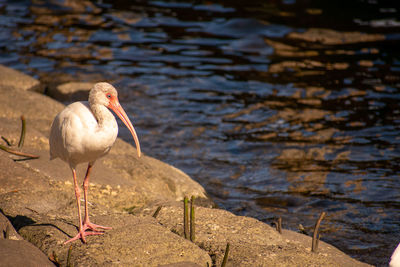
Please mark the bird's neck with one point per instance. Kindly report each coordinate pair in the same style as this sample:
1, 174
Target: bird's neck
102, 114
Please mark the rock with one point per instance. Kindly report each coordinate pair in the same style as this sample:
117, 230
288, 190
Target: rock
252, 243
7, 231
181, 264
20, 253
15, 251
133, 241
18, 80
71, 91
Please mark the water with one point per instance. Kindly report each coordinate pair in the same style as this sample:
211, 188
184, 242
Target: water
278, 108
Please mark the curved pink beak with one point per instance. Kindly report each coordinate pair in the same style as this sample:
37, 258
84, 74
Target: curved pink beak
117, 108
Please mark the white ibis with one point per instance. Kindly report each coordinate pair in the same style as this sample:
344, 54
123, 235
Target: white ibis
84, 132
395, 259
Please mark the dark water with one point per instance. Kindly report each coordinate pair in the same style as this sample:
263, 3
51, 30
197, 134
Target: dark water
278, 108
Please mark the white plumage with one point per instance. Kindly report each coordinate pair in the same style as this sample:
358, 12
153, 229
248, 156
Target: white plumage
76, 136
84, 132
395, 259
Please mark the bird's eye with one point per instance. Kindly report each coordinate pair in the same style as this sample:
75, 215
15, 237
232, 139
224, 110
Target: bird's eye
108, 95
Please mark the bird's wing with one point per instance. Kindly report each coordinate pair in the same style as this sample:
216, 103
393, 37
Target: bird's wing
68, 130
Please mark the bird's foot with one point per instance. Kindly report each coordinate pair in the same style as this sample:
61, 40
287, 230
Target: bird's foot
81, 235
94, 227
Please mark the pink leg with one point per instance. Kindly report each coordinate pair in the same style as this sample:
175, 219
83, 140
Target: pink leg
81, 234
86, 223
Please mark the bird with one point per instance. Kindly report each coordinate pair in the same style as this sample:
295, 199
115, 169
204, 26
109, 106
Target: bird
84, 132
395, 258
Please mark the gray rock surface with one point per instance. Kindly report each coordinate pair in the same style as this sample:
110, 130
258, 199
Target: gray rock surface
71, 91
38, 198
252, 243
15, 251
20, 253
24, 82
7, 230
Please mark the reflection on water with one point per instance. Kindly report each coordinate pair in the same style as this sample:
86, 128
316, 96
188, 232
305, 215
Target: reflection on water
279, 108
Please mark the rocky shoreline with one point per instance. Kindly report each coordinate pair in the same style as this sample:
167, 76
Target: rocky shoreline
37, 204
